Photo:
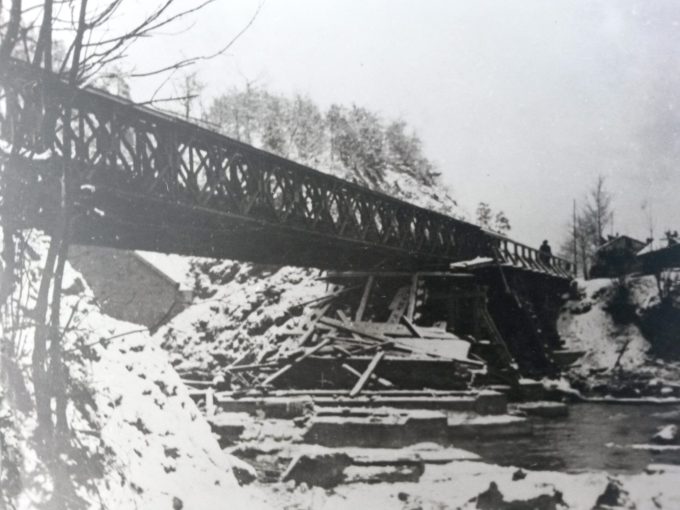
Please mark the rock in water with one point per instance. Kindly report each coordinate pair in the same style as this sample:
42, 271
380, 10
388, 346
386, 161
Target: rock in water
667, 434
490, 499
614, 496
518, 475
493, 499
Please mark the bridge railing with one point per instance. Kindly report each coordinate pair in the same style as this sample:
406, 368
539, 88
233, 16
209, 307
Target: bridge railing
523, 256
133, 149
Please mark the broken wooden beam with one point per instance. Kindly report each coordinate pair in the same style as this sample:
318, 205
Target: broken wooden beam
290, 365
352, 328
411, 327
380, 380
367, 373
253, 366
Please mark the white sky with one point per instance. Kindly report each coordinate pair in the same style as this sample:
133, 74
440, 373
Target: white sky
520, 104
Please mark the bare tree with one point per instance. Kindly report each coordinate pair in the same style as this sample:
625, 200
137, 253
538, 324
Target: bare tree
598, 211
88, 50
587, 228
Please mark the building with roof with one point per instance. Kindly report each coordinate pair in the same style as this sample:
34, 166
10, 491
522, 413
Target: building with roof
616, 257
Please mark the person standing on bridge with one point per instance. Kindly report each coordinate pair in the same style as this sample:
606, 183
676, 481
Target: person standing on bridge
545, 253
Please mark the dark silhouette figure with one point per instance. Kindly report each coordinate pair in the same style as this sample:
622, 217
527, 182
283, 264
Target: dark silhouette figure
545, 253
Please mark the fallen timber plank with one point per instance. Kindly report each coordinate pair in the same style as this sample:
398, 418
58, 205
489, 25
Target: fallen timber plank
253, 366
381, 380
352, 328
326, 297
367, 373
418, 350
352, 340
409, 325
195, 382
288, 366
397, 330
346, 320
240, 359
392, 342
382, 331
342, 350
305, 337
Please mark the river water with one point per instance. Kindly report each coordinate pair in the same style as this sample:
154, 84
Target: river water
593, 437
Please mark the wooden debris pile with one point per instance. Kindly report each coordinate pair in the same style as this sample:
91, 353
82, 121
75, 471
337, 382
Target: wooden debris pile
388, 351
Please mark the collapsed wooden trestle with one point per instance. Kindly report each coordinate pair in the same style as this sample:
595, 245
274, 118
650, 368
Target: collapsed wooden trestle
388, 331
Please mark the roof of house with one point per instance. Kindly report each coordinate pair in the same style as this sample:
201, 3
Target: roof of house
636, 243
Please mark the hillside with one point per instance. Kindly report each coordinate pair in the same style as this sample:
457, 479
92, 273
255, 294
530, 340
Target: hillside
629, 332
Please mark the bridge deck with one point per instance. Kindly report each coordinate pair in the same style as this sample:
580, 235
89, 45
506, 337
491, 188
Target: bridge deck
141, 179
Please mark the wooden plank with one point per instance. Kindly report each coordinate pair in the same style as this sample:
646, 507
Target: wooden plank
380, 380
209, 403
497, 338
411, 327
342, 350
253, 366
367, 373
397, 330
346, 320
412, 297
352, 328
285, 368
364, 299
240, 359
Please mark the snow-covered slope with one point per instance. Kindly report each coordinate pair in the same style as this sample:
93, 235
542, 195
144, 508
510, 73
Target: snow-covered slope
587, 326
142, 442
611, 322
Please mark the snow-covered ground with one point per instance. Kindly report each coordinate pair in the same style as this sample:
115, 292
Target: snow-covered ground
144, 442
616, 349
587, 326
472, 484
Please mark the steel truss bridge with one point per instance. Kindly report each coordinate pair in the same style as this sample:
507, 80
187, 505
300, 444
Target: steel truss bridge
141, 179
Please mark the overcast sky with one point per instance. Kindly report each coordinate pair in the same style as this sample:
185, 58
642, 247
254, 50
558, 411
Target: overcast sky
520, 104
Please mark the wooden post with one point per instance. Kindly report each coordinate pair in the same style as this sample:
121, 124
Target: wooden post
364, 299
209, 403
412, 297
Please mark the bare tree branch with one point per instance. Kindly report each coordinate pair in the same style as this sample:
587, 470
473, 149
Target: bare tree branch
193, 60
10, 39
